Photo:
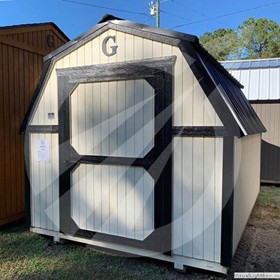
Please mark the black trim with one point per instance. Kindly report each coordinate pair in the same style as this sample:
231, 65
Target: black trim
73, 44
210, 89
267, 101
26, 179
135, 69
227, 201
133, 28
217, 64
157, 162
234, 110
199, 131
146, 162
108, 17
42, 128
235, 100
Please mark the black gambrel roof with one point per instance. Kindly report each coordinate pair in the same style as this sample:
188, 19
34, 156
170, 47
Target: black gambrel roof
223, 91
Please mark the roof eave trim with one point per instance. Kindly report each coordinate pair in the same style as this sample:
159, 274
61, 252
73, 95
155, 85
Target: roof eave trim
70, 45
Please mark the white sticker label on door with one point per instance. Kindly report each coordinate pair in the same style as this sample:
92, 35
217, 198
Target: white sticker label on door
43, 150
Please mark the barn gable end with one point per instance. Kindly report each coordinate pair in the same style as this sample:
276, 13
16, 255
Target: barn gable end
141, 125
191, 105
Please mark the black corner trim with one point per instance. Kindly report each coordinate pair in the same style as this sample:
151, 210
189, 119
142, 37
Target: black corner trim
267, 101
42, 128
26, 180
199, 131
227, 202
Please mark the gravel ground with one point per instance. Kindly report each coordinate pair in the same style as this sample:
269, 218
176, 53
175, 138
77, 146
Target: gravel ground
259, 248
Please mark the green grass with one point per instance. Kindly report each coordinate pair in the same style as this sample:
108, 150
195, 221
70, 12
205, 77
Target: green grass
268, 203
269, 196
24, 255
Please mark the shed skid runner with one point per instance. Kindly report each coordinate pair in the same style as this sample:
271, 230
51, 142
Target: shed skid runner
139, 141
179, 261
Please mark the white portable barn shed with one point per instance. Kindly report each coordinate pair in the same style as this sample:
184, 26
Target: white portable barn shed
261, 80
139, 141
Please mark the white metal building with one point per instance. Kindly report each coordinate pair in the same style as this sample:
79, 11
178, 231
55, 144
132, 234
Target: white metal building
139, 141
261, 80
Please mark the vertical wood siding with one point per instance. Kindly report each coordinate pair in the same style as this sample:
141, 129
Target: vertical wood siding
20, 70
191, 106
114, 200
197, 197
247, 181
34, 38
44, 182
270, 117
113, 118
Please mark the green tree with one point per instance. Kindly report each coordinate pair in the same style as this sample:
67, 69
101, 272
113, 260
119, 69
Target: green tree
253, 39
259, 38
222, 43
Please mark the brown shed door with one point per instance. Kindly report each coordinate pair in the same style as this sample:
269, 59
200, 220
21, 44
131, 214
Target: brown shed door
115, 156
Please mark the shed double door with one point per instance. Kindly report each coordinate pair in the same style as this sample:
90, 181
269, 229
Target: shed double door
115, 154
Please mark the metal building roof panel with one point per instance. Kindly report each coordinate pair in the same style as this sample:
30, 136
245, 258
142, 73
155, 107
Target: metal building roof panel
260, 77
251, 63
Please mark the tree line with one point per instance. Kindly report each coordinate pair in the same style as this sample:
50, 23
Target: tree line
255, 38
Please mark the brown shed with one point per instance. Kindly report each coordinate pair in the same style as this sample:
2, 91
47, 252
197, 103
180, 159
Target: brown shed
22, 48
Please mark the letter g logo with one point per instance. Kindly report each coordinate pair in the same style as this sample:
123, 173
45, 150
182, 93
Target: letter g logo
113, 47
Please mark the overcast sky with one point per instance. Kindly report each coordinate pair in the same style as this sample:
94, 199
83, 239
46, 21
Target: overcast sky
194, 17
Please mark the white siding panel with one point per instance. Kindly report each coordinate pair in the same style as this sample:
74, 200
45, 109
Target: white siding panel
187, 190
197, 197
254, 84
218, 197
105, 194
113, 192
245, 80
198, 106
264, 84
178, 97
198, 190
209, 197
107, 118
274, 82
177, 228
44, 185
260, 83
247, 181
131, 48
122, 196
